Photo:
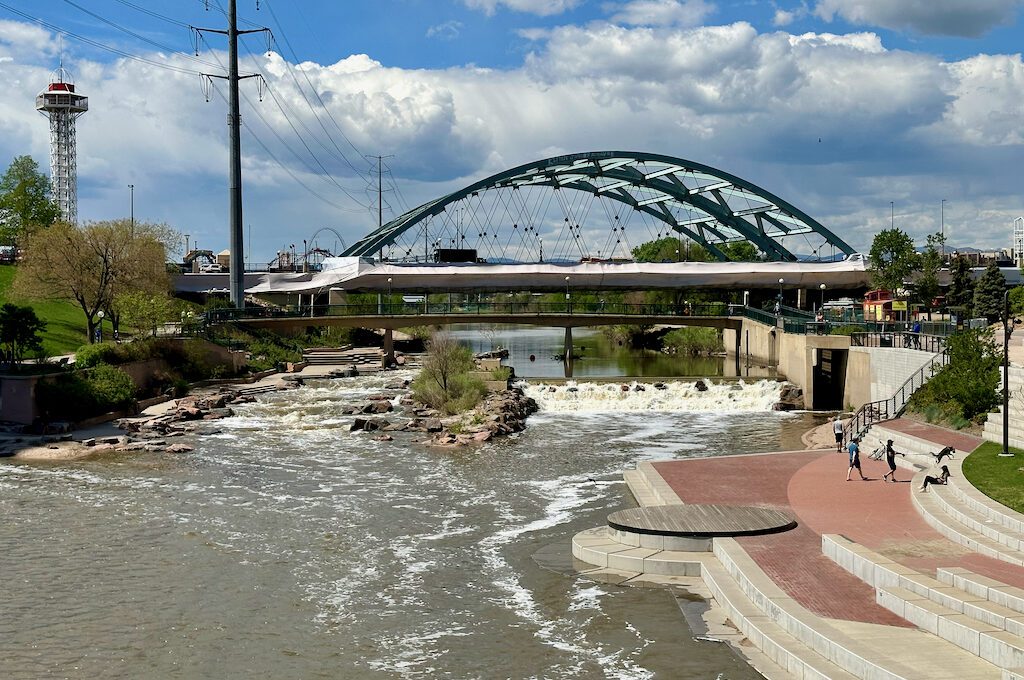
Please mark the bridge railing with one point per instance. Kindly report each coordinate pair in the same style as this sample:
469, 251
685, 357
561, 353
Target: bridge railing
887, 409
509, 308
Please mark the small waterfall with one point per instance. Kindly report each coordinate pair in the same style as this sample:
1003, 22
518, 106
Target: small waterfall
730, 396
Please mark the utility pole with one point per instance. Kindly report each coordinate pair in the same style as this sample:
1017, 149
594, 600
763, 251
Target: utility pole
237, 245
131, 200
380, 197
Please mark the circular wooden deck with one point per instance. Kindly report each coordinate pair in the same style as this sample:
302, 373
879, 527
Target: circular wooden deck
701, 521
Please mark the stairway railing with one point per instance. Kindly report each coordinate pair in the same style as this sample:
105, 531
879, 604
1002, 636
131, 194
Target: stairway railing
887, 409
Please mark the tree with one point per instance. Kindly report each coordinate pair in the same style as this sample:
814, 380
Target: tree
988, 294
892, 259
25, 203
741, 251
927, 282
91, 266
968, 386
145, 311
666, 249
1017, 301
19, 331
961, 288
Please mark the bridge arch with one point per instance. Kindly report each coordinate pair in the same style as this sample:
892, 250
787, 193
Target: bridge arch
706, 205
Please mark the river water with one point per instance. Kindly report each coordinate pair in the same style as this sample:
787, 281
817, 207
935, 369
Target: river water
287, 547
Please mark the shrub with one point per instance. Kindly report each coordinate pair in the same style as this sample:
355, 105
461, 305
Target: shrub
501, 373
693, 341
444, 382
88, 356
111, 388
83, 394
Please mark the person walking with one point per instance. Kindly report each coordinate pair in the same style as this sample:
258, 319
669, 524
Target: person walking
890, 458
854, 451
837, 429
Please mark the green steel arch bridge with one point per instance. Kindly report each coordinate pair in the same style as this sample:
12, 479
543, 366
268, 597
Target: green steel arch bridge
598, 205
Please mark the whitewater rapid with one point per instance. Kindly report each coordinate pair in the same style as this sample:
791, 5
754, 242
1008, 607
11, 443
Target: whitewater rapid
676, 396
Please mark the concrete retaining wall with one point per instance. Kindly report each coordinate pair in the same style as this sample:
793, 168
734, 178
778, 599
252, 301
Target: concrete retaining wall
889, 368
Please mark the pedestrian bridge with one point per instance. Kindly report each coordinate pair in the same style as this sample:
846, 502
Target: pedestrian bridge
558, 315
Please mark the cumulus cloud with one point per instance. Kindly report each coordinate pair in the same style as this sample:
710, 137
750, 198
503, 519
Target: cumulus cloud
660, 12
539, 7
894, 125
449, 30
964, 18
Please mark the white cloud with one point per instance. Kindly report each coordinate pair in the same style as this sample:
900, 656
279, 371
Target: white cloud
894, 125
966, 18
448, 30
660, 12
539, 7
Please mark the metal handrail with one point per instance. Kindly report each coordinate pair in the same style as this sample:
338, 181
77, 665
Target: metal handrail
887, 409
511, 308
899, 338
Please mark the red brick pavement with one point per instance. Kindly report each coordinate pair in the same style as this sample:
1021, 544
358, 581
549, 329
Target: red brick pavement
938, 435
812, 485
792, 559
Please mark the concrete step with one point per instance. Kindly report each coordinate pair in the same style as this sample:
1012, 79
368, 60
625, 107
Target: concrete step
917, 452
932, 506
958, 589
637, 483
980, 627
991, 511
996, 592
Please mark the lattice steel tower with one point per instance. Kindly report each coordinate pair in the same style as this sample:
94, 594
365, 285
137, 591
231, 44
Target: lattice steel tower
62, 105
1018, 241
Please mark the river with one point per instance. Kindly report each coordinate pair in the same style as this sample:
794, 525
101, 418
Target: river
287, 547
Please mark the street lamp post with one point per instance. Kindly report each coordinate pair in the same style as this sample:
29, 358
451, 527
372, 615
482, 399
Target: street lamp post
677, 255
1008, 326
822, 306
99, 326
568, 300
942, 226
131, 189
778, 306
389, 295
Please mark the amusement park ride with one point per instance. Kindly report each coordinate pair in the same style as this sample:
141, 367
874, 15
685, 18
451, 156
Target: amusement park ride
289, 259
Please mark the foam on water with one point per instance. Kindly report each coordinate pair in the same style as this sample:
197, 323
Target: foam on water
719, 397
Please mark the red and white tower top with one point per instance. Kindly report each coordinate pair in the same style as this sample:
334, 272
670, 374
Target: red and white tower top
63, 105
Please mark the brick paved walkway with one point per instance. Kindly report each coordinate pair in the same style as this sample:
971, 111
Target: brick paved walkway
939, 435
792, 559
812, 485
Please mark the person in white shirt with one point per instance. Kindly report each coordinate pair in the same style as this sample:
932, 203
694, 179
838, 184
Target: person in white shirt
837, 427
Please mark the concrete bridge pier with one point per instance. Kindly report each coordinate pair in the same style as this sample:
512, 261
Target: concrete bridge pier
568, 343
389, 347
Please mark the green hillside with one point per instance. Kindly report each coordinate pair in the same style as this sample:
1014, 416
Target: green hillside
65, 323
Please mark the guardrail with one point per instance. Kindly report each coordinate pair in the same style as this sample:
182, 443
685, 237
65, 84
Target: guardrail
529, 308
887, 409
902, 339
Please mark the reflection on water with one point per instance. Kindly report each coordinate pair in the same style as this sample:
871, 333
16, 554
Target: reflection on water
288, 547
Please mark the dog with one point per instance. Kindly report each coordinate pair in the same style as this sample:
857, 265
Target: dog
948, 451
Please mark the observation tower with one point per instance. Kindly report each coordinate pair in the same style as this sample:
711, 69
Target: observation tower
62, 105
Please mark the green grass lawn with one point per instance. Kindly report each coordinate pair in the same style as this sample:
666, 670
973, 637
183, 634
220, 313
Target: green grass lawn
1001, 479
65, 322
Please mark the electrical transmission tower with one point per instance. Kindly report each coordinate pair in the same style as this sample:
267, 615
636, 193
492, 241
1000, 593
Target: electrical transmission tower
237, 274
62, 105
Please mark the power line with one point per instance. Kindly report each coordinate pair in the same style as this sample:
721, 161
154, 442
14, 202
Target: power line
305, 75
128, 55
151, 13
135, 35
294, 153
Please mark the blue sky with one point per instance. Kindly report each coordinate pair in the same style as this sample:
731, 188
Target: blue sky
914, 102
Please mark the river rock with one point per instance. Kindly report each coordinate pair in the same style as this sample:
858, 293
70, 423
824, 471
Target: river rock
434, 425
179, 448
384, 438
217, 414
660, 386
639, 388
700, 386
624, 388
89, 442
397, 385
